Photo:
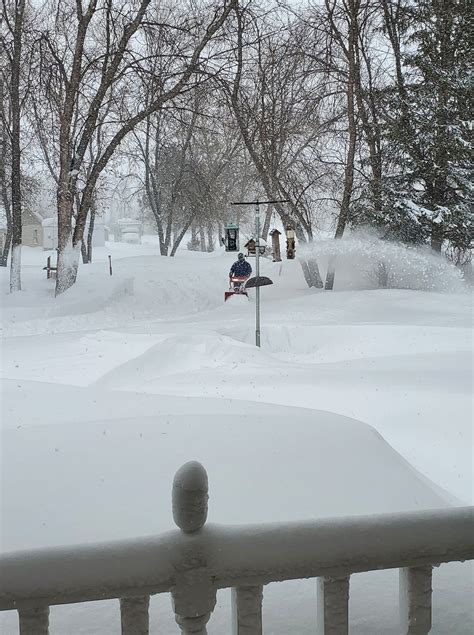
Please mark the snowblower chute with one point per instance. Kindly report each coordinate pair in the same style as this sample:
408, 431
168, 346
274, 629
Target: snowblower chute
236, 286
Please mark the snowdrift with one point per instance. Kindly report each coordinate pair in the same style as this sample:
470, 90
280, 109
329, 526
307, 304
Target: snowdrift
109, 469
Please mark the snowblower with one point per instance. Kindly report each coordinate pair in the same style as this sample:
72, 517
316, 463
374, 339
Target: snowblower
236, 286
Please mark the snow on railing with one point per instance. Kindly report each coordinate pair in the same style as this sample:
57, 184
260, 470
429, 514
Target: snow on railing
193, 563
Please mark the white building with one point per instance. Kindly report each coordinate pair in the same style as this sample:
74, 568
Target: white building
50, 233
129, 230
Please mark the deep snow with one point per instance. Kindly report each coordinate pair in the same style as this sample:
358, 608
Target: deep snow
109, 388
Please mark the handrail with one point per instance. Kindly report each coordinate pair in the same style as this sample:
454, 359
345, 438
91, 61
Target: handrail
194, 562
247, 554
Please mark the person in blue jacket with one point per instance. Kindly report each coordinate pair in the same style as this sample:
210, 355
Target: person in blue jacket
240, 267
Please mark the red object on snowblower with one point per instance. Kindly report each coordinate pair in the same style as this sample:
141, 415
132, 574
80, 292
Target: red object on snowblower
236, 286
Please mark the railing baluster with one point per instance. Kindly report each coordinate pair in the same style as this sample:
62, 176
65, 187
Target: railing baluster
415, 600
247, 610
134, 615
194, 595
34, 621
333, 606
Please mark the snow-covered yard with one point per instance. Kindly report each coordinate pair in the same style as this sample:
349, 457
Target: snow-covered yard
358, 402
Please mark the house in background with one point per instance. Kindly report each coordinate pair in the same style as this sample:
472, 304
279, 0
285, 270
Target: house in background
128, 230
32, 230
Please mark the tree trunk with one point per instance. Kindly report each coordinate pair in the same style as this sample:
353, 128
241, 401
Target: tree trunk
436, 238
311, 274
202, 239
310, 267
84, 253
266, 224
180, 236
15, 272
68, 256
6, 246
3, 181
210, 238
194, 237
90, 231
161, 236
316, 279
382, 275
349, 168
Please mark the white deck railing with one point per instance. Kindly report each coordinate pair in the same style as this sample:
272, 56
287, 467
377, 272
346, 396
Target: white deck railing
193, 563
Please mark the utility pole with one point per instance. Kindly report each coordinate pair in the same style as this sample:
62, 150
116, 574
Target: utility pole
257, 204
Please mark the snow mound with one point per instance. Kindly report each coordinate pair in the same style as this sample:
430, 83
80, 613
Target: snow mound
183, 354
337, 343
275, 464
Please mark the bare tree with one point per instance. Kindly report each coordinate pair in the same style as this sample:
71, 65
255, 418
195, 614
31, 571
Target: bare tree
5, 179
98, 62
280, 116
13, 15
343, 31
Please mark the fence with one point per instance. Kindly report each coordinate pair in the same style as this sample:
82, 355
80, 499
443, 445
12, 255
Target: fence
194, 562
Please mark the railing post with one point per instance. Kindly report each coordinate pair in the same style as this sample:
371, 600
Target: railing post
134, 615
194, 595
247, 610
415, 600
34, 621
333, 606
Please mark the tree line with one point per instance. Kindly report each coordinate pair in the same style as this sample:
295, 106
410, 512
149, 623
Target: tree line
355, 111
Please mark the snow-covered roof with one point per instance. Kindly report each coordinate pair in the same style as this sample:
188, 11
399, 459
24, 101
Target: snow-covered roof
123, 221
36, 215
262, 243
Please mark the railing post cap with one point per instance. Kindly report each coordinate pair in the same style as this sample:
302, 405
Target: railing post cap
190, 496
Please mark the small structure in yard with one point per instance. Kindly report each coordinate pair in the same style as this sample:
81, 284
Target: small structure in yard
251, 247
50, 233
275, 234
128, 230
290, 243
231, 238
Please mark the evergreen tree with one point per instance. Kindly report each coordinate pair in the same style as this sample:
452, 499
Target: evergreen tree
430, 194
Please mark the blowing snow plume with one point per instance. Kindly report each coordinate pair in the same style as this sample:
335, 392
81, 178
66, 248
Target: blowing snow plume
364, 262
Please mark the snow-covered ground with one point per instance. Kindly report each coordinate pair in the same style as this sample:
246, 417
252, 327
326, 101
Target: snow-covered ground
359, 401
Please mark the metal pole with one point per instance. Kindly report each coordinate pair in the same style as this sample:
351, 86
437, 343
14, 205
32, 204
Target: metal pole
257, 273
257, 258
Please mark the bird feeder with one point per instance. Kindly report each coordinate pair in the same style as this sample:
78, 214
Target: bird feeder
290, 243
275, 234
251, 247
231, 237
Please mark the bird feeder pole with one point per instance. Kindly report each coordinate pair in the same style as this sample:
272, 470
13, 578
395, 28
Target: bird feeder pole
257, 204
257, 273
